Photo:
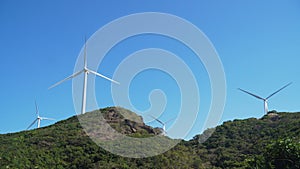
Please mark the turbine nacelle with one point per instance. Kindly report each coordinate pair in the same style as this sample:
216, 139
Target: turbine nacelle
85, 72
38, 118
164, 132
267, 98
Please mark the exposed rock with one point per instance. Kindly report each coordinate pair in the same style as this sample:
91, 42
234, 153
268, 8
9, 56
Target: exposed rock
273, 116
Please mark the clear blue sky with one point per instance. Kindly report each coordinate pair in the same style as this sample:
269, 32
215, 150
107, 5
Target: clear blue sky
258, 43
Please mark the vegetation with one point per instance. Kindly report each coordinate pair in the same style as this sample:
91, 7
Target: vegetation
270, 142
282, 153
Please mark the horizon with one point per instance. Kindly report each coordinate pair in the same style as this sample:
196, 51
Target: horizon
154, 126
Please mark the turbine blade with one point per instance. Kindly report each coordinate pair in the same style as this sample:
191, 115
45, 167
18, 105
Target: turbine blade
68, 78
46, 118
36, 108
85, 59
169, 120
252, 94
279, 90
98, 74
31, 124
162, 123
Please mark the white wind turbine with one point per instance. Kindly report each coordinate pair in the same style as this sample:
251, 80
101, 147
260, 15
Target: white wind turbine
85, 72
38, 118
267, 98
163, 124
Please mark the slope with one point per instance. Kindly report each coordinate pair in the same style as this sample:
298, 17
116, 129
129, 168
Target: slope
234, 144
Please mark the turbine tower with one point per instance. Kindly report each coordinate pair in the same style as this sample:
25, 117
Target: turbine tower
163, 124
85, 72
267, 98
38, 118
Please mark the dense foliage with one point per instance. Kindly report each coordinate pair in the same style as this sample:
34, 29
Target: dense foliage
270, 142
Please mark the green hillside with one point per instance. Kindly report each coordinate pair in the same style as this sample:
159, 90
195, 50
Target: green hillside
270, 142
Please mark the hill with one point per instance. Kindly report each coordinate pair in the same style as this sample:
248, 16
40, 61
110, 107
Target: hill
270, 142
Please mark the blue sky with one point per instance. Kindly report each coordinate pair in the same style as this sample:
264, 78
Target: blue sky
257, 42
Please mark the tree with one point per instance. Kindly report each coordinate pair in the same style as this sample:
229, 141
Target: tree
283, 153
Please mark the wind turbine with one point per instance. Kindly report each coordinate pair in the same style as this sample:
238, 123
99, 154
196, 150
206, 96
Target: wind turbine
163, 124
267, 98
85, 72
38, 118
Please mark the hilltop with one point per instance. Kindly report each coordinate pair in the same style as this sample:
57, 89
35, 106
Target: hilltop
272, 141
